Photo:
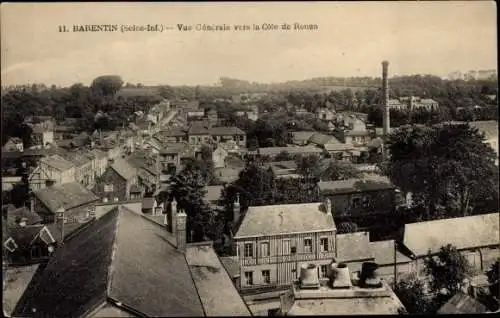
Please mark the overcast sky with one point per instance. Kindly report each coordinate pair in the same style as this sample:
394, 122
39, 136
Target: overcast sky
352, 39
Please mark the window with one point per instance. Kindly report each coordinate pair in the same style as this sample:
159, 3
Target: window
308, 245
108, 188
356, 202
10, 245
324, 271
266, 277
248, 250
249, 278
286, 247
264, 249
324, 244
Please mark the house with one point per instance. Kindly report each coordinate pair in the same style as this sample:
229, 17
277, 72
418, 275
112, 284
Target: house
339, 294
284, 169
219, 156
116, 182
101, 273
355, 137
272, 241
13, 144
100, 162
412, 103
325, 114
476, 237
28, 244
84, 163
171, 155
359, 197
153, 145
253, 115
226, 134
322, 140
172, 135
342, 152
42, 134
57, 169
77, 201
272, 152
301, 138
148, 170
390, 260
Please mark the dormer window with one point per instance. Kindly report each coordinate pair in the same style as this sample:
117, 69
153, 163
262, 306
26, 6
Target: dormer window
10, 245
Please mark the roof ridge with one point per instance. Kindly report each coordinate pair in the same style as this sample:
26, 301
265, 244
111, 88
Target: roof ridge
110, 271
457, 218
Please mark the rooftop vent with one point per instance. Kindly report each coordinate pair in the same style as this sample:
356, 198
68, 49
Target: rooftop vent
369, 277
342, 277
309, 278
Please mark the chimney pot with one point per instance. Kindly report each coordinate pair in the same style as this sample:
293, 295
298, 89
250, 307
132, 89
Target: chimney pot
369, 277
309, 277
341, 277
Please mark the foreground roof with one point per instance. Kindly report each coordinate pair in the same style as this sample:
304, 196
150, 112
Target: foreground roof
67, 195
463, 233
383, 251
285, 219
126, 257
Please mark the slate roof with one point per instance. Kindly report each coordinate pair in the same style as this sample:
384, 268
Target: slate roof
232, 265
214, 286
383, 251
68, 195
127, 257
369, 183
353, 247
57, 162
22, 212
464, 233
462, 303
322, 139
225, 131
284, 219
123, 168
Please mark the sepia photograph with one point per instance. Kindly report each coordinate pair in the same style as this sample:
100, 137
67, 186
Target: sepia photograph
168, 159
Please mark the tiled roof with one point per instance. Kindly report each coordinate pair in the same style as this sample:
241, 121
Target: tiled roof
369, 183
57, 162
353, 247
68, 195
225, 131
22, 212
463, 233
108, 258
284, 219
462, 303
322, 139
123, 168
215, 287
383, 251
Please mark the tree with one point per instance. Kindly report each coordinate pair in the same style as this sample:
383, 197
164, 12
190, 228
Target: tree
445, 167
411, 294
308, 166
336, 170
447, 270
493, 275
347, 227
107, 85
167, 92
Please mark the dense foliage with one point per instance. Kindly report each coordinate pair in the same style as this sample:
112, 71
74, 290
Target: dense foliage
411, 293
447, 168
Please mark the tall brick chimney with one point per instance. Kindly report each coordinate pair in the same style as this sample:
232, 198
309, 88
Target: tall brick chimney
385, 98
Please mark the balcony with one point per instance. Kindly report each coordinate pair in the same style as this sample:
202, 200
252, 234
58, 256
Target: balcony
287, 258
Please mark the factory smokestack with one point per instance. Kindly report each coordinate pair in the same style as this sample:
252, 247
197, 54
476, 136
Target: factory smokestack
385, 99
